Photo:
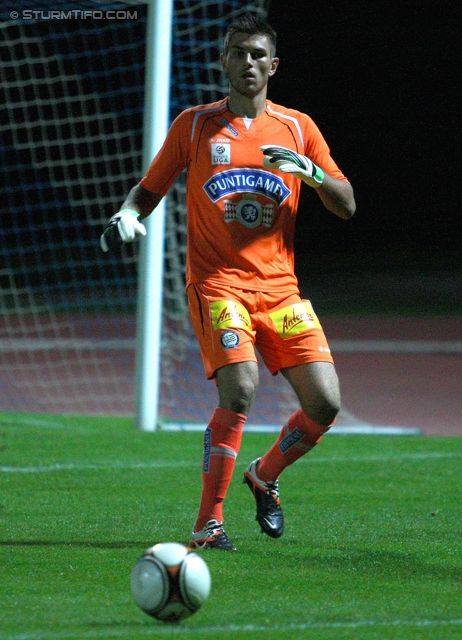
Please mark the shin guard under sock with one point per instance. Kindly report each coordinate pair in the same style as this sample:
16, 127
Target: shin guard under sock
297, 437
222, 441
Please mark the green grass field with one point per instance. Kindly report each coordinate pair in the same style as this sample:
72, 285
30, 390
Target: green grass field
372, 547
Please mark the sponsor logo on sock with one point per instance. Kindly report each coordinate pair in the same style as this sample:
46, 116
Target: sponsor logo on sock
290, 440
207, 449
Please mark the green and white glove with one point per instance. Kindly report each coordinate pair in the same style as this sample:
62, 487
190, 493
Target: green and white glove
124, 226
289, 161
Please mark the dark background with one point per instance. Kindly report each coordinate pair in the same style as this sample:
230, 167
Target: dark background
382, 81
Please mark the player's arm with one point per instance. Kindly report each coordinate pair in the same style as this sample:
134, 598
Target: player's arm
336, 195
168, 163
142, 201
125, 225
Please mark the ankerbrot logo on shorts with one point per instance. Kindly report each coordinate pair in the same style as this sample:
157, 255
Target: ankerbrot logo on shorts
221, 153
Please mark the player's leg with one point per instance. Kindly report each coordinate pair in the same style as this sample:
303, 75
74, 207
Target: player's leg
237, 385
293, 342
237, 382
317, 387
318, 390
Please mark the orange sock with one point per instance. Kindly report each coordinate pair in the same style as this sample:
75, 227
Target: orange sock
297, 437
222, 441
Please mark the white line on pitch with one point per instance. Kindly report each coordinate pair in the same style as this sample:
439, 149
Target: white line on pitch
99, 466
157, 630
170, 464
348, 429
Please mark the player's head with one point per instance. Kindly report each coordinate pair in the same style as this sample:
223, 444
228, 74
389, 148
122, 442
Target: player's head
248, 58
251, 24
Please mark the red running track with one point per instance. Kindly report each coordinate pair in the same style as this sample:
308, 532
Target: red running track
388, 376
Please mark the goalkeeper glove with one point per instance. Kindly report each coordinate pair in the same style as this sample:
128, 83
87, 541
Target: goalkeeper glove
289, 161
122, 227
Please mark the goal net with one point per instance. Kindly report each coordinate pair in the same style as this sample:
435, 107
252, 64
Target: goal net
71, 143
72, 97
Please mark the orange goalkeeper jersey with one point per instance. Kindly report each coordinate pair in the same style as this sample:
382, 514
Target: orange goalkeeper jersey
240, 216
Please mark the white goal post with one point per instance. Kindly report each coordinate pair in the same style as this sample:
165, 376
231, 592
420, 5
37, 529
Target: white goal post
151, 255
151, 258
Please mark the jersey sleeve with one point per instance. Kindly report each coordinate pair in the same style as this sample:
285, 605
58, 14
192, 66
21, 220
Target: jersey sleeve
317, 150
173, 157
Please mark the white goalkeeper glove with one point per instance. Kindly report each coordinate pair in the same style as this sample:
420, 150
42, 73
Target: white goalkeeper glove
289, 161
122, 227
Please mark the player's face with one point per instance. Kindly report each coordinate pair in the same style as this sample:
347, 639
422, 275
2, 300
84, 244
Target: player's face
248, 63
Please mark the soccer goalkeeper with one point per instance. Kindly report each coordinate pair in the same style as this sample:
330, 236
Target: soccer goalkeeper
247, 159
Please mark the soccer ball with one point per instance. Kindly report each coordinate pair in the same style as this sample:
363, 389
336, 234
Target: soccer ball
170, 582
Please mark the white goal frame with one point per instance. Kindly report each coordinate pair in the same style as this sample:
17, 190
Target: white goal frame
151, 256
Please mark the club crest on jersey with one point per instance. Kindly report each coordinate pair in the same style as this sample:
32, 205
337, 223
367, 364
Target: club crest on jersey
249, 212
258, 181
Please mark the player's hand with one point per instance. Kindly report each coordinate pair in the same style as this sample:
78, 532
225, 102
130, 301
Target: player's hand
122, 227
289, 161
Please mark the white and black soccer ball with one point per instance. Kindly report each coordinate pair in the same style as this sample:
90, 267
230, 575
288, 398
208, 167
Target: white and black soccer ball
170, 582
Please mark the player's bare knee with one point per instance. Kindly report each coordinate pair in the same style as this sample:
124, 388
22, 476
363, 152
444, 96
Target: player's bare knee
324, 410
243, 396
237, 386
328, 415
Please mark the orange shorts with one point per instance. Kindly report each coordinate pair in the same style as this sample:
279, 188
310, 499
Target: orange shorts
230, 323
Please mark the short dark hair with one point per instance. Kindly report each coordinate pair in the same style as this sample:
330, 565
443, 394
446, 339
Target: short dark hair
252, 24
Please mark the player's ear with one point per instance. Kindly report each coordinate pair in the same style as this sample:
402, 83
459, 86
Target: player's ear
223, 62
274, 66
